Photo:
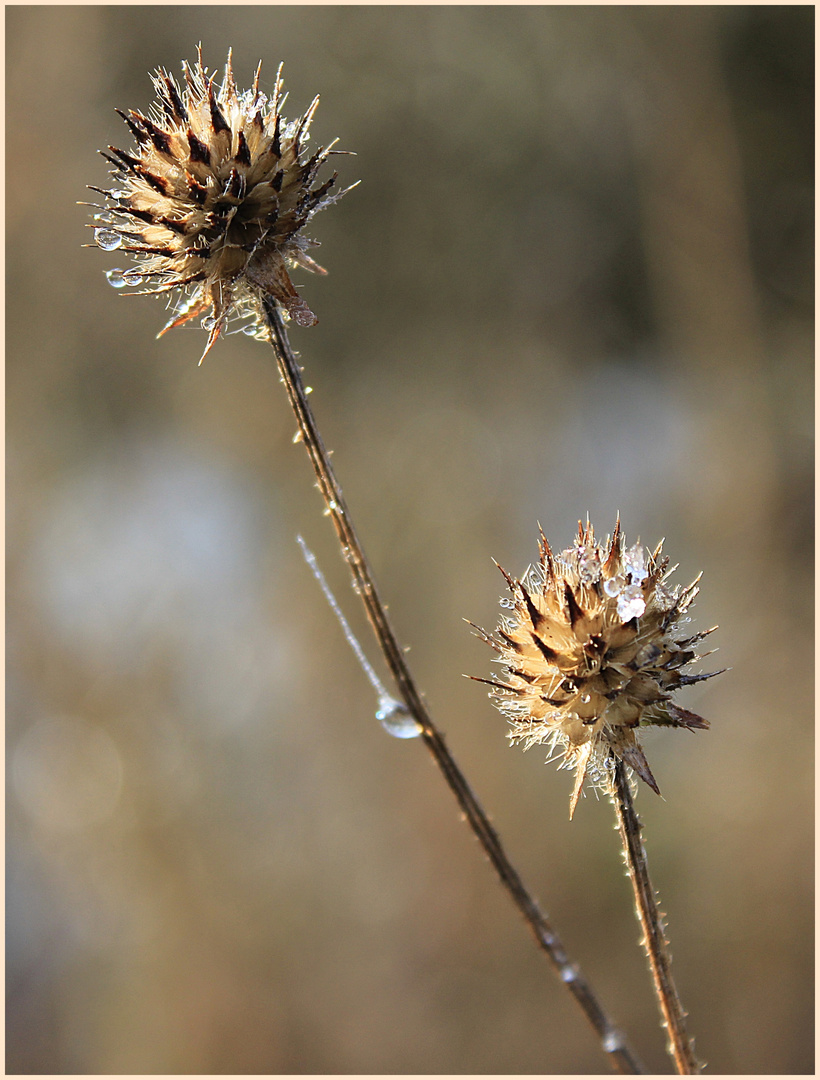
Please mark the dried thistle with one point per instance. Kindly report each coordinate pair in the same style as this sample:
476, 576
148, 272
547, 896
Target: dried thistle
595, 648
212, 201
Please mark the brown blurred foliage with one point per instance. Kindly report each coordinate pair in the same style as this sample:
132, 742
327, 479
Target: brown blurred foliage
576, 278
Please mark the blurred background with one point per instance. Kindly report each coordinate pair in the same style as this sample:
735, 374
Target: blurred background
576, 278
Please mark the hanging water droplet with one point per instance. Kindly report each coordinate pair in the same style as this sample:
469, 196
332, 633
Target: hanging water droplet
116, 278
396, 720
611, 1042
107, 239
132, 278
208, 322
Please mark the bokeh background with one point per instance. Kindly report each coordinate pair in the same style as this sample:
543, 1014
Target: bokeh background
576, 278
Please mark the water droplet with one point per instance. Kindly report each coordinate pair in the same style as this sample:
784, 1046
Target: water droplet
568, 973
588, 566
132, 278
506, 603
635, 563
396, 720
613, 585
107, 239
208, 322
631, 604
116, 278
611, 1042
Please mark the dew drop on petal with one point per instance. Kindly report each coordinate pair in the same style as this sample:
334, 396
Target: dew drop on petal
396, 720
116, 278
107, 239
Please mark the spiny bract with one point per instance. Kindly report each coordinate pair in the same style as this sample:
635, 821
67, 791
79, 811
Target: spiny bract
212, 201
594, 649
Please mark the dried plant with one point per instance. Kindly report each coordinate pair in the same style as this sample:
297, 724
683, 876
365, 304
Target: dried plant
211, 204
595, 648
213, 200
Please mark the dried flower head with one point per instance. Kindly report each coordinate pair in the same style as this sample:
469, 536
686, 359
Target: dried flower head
594, 648
212, 201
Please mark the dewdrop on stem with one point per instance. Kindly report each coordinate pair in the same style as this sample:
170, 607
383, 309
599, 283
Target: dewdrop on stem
393, 715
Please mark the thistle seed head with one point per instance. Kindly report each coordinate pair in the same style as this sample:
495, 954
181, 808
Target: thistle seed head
594, 646
212, 200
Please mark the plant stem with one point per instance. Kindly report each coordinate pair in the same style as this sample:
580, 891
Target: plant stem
654, 940
613, 1042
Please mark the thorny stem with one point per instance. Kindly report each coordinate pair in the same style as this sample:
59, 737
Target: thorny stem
613, 1041
654, 939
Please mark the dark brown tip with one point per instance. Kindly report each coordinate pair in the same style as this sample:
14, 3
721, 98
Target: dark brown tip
635, 759
490, 640
235, 187
614, 548
575, 612
550, 655
513, 644
131, 164
513, 584
243, 154
684, 718
158, 183
173, 104
198, 150
536, 617
276, 146
157, 136
136, 131
218, 121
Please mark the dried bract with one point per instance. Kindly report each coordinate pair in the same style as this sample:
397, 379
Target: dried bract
594, 648
212, 200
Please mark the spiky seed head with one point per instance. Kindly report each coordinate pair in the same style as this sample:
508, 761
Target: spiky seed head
595, 645
212, 200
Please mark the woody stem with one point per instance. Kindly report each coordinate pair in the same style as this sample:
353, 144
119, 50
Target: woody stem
654, 940
613, 1042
